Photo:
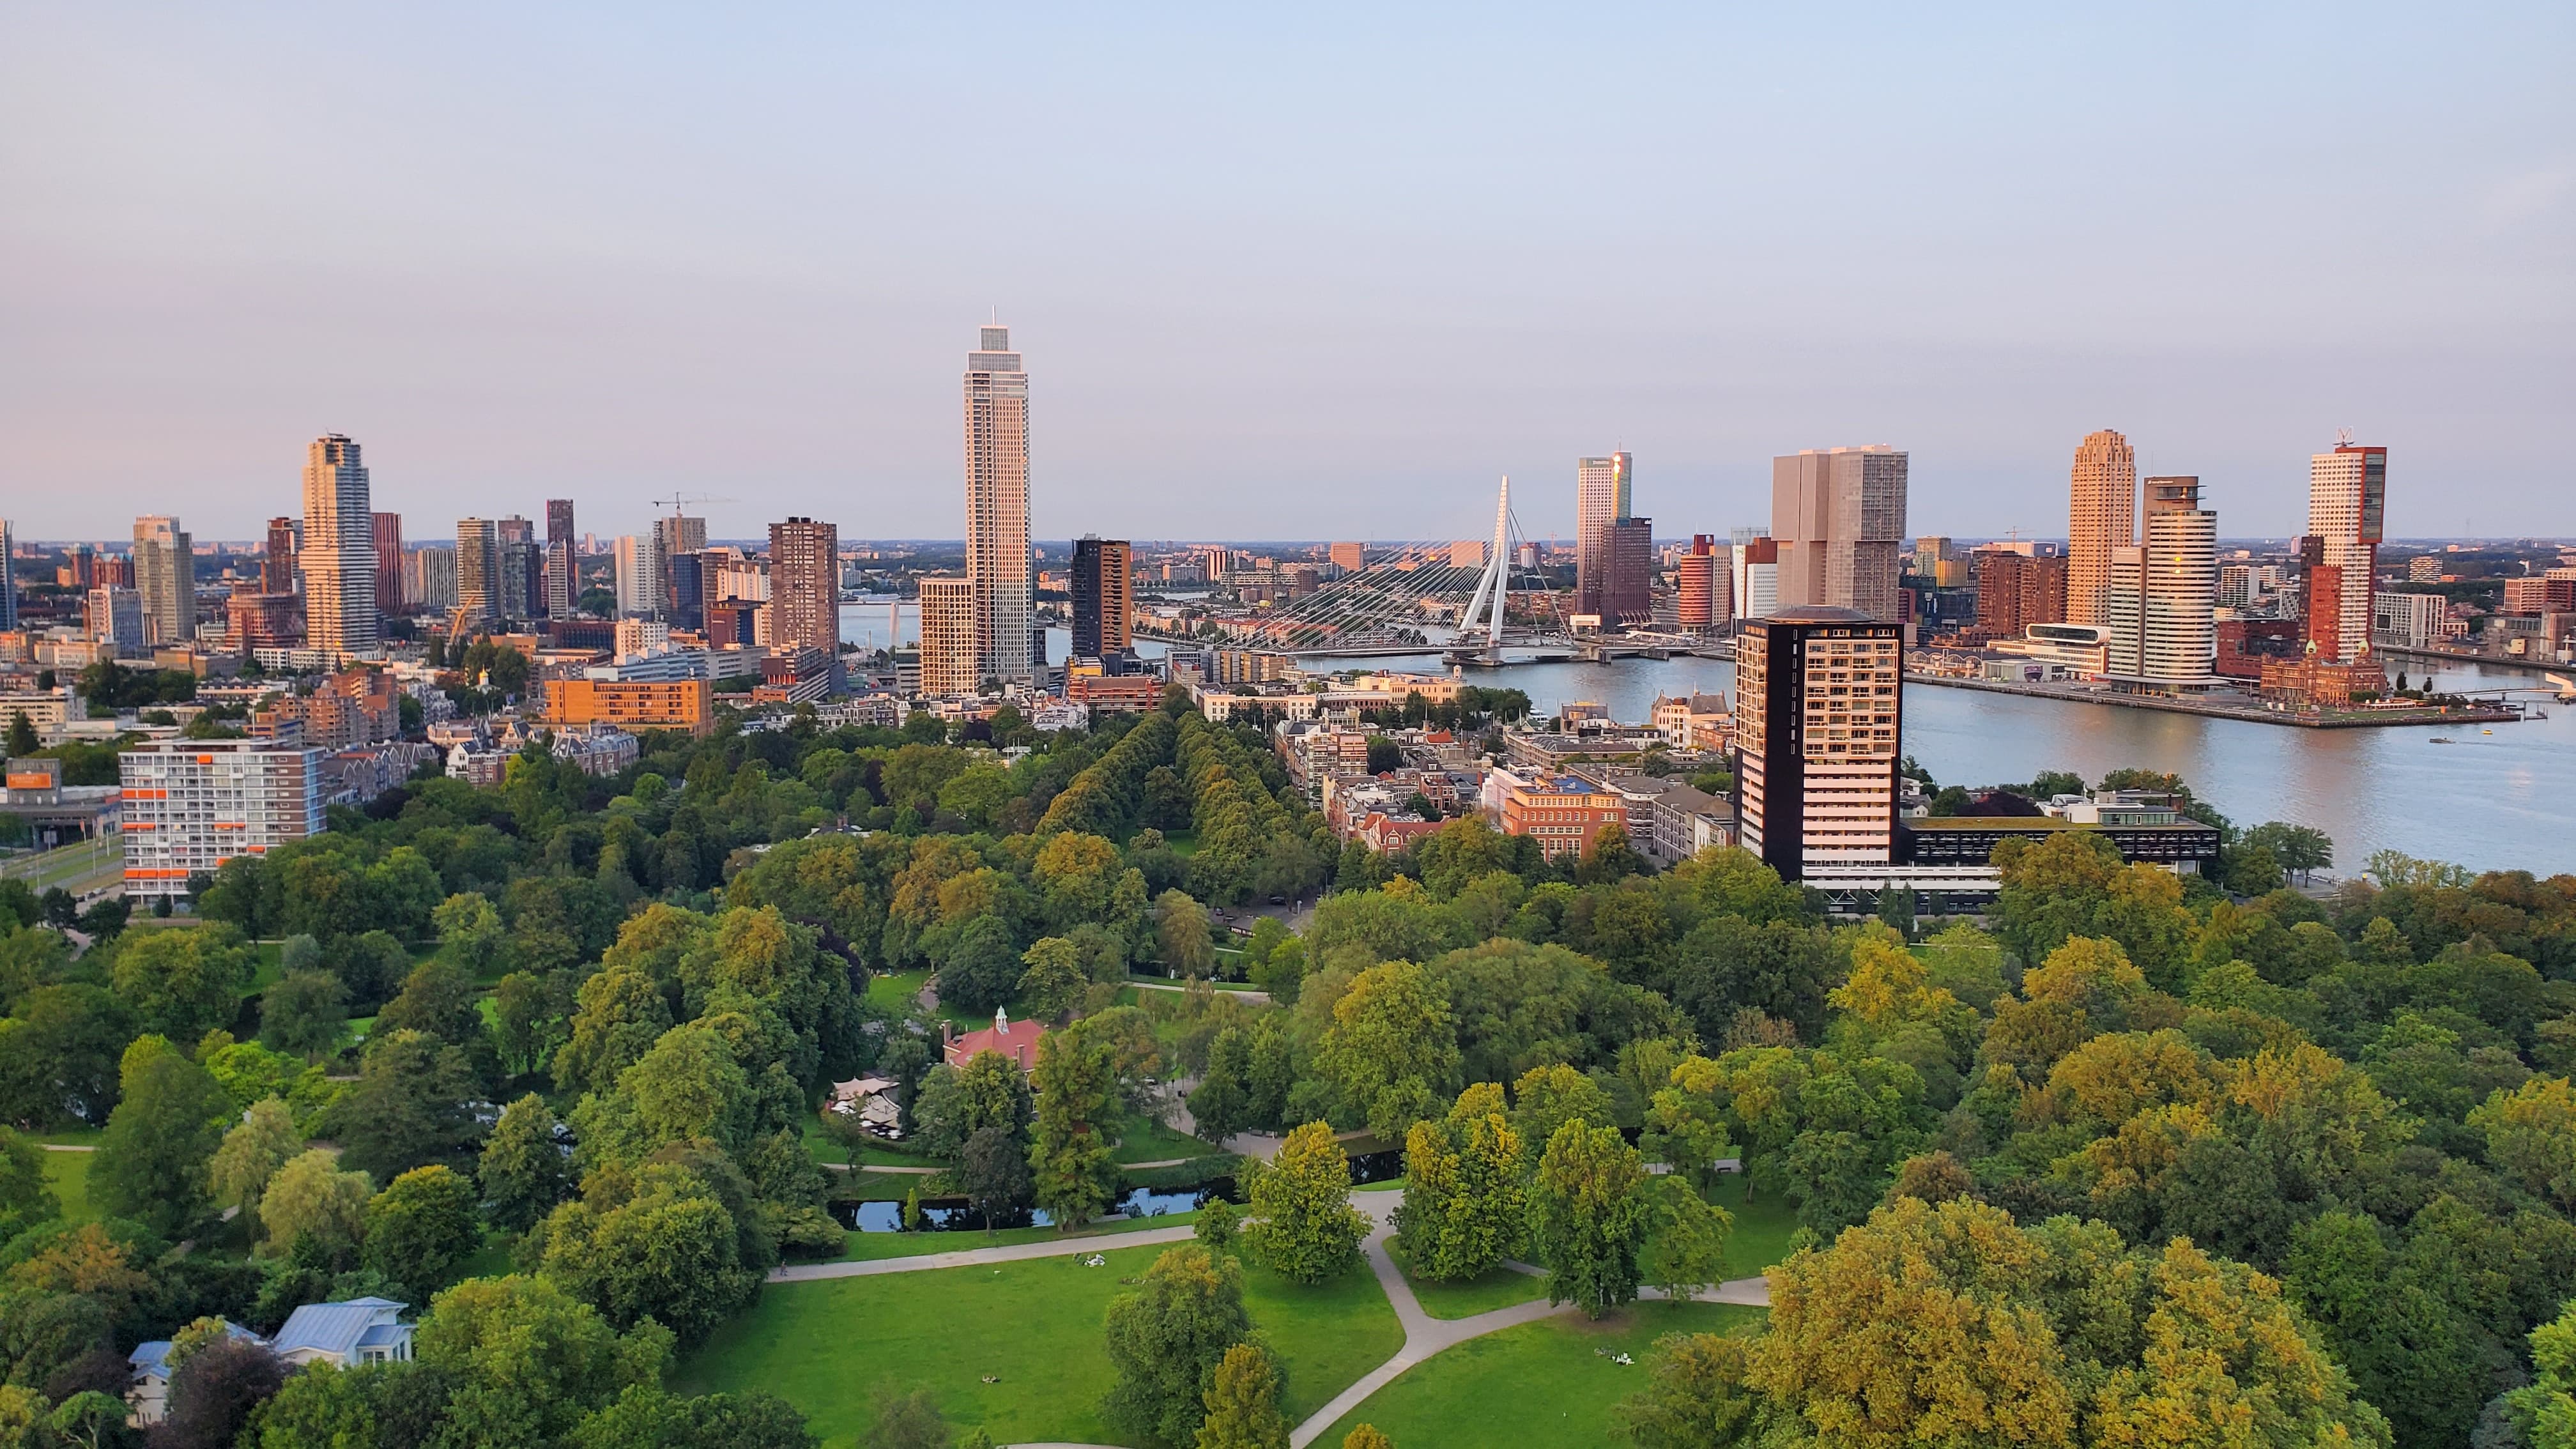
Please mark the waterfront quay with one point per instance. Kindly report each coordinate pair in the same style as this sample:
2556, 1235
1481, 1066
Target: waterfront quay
2238, 706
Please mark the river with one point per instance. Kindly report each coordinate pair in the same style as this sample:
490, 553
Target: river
2504, 800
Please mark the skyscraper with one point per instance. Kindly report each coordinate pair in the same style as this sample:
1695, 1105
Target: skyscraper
1100, 597
2016, 590
2347, 505
478, 570
639, 576
339, 549
1628, 599
165, 578
1601, 500
997, 506
389, 568
1695, 583
1819, 693
1838, 516
951, 616
8, 577
805, 586
518, 575
2101, 516
277, 560
673, 536
2177, 616
562, 589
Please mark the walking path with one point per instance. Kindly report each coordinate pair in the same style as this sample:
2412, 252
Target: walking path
1424, 1335
65, 1147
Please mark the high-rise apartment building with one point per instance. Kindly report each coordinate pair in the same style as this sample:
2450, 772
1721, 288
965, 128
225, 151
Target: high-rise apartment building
116, 618
639, 576
1820, 692
2178, 611
2016, 590
277, 558
1628, 599
1601, 500
1697, 581
339, 549
562, 586
1350, 558
391, 601
431, 585
191, 805
951, 636
2101, 516
997, 505
1757, 574
1838, 516
672, 537
2347, 506
519, 576
478, 570
805, 586
1101, 601
165, 577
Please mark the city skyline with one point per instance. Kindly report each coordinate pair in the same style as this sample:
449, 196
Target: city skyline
1232, 309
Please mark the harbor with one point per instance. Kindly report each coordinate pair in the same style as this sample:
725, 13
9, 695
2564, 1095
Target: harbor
2240, 706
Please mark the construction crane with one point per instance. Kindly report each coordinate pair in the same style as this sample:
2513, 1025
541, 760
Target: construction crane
679, 500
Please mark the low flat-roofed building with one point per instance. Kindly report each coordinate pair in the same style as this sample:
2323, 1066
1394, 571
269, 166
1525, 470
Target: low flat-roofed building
684, 704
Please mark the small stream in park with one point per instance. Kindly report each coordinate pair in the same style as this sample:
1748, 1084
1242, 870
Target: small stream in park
956, 1214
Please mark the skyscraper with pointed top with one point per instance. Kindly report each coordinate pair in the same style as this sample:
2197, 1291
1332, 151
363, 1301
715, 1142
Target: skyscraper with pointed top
997, 504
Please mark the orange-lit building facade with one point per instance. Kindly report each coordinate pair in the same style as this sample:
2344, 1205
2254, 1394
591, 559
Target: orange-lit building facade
632, 704
1561, 813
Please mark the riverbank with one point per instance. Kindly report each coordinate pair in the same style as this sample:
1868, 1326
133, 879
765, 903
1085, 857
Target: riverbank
2237, 708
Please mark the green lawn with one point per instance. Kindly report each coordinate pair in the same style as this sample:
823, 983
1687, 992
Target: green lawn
1539, 1386
1142, 1139
829, 1347
895, 993
873, 1186
68, 1174
1761, 1237
1494, 1288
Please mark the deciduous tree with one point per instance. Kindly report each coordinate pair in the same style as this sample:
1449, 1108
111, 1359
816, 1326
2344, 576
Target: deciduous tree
1392, 1047
1077, 1087
151, 1164
1588, 1217
1307, 1229
1243, 1402
422, 1227
1165, 1342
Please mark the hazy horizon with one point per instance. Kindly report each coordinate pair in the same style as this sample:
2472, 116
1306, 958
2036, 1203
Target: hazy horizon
1322, 274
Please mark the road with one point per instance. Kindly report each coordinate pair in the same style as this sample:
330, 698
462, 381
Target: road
82, 867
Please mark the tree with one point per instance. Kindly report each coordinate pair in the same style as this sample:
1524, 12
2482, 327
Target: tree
1464, 1208
2057, 1335
647, 1417
1546, 1098
470, 929
438, 998
304, 1013
1166, 1340
213, 1391
151, 1164
407, 1108
907, 1421
1308, 1230
1366, 1436
1054, 984
657, 1242
526, 1360
1077, 1086
312, 1197
522, 1172
422, 1226
983, 967
2545, 1411
1220, 1224
1588, 1217
957, 1102
251, 1154
2300, 849
993, 1172
2531, 1136
26, 1199
1695, 1395
1243, 1402
22, 735
184, 984
1392, 1047
1181, 935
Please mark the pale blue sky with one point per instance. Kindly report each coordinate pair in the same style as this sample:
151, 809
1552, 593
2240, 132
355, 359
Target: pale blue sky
1310, 271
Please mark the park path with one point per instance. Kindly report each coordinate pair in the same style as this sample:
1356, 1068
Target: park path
65, 1147
1424, 1335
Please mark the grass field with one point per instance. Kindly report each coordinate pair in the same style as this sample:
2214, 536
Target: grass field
830, 1347
1142, 1139
1761, 1237
68, 1173
1494, 1288
1544, 1385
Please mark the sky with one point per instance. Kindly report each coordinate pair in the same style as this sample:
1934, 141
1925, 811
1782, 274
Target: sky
1280, 272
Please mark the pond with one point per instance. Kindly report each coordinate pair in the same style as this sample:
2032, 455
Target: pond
955, 1214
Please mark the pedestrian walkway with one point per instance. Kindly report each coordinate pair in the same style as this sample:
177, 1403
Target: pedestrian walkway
1424, 1335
